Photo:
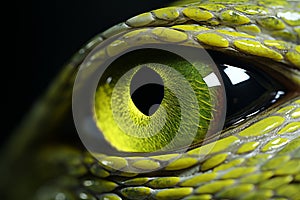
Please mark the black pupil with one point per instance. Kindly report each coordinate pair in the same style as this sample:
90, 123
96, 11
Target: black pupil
147, 90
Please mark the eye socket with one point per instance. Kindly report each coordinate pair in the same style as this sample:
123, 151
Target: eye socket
189, 105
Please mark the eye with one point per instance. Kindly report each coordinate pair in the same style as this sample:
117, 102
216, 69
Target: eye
136, 95
156, 100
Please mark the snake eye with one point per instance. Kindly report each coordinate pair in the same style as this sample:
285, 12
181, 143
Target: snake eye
146, 96
152, 99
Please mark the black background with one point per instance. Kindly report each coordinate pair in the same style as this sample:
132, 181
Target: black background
43, 35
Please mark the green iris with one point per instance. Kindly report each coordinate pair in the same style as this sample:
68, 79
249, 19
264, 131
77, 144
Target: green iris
182, 118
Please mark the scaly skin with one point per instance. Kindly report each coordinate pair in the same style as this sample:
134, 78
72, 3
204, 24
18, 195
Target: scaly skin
258, 159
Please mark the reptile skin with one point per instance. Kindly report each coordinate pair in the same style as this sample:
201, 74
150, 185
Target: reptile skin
257, 159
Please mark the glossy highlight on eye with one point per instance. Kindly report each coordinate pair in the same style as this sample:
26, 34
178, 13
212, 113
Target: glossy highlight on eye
249, 90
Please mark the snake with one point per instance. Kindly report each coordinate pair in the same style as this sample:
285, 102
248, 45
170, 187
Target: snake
256, 157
